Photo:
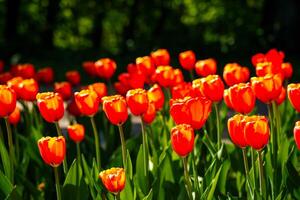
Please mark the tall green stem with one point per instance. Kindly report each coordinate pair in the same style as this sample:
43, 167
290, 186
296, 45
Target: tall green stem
145, 150
247, 170
219, 134
123, 145
11, 148
254, 168
97, 146
117, 196
65, 164
77, 169
187, 178
191, 75
57, 185
261, 174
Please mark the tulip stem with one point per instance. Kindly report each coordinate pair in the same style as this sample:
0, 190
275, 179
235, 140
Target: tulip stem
77, 169
57, 185
145, 149
247, 170
254, 168
219, 134
261, 174
117, 196
65, 165
191, 75
11, 148
123, 144
97, 146
187, 178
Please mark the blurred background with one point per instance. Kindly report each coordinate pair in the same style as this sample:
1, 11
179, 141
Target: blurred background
64, 33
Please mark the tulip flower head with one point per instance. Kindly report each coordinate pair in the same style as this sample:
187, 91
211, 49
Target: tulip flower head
161, 57
297, 134
73, 77
73, 108
105, 68
234, 73
100, 89
15, 117
294, 95
145, 65
164, 76
51, 106
28, 89
182, 90
236, 130
206, 67
113, 179
52, 150
280, 99
45, 75
4, 77
26, 71
149, 115
156, 95
115, 109
8, 101
182, 139
87, 102
287, 70
76, 132
14, 83
137, 101
89, 68
64, 89
187, 60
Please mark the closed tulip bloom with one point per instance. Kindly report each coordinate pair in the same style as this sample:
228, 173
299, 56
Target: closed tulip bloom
115, 108
76, 132
8, 100
52, 150
100, 89
137, 101
182, 139
4, 77
51, 106
45, 75
149, 115
257, 132
178, 77
182, 90
187, 60
15, 117
241, 98
73, 77
87, 102
113, 179
206, 67
14, 84
287, 70
28, 89
164, 76
156, 95
211, 86
297, 134
280, 99
179, 110
235, 127
64, 89
234, 73
120, 88
105, 68
267, 88
294, 95
73, 108
26, 71
145, 65
89, 68
161, 57
227, 99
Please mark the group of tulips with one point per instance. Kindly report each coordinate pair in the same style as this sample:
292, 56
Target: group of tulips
188, 103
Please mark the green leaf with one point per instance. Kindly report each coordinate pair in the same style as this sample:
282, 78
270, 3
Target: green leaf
149, 196
88, 177
127, 193
129, 166
223, 176
5, 160
5, 185
209, 192
140, 177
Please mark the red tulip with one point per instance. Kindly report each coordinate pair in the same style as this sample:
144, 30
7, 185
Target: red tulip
115, 109
182, 139
137, 101
28, 89
26, 71
113, 179
105, 68
206, 67
89, 68
187, 60
294, 95
236, 127
297, 134
4, 77
100, 89
145, 65
164, 76
45, 75
287, 69
161, 57
234, 73
15, 117
280, 99
156, 95
64, 89
73, 108
182, 90
73, 77
87, 102
76, 132
8, 101
149, 115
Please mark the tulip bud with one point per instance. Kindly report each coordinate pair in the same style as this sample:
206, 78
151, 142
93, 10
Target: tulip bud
187, 60
115, 108
73, 77
161, 57
297, 134
105, 68
87, 102
8, 100
182, 139
294, 95
206, 67
156, 95
76, 132
137, 101
64, 89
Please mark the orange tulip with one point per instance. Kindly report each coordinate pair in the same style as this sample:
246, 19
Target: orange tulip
73, 77
267, 88
51, 106
182, 139
280, 99
4, 77
257, 132
28, 89
89, 68
178, 77
87, 102
206, 67
137, 101
240, 98
164, 76
234, 73
156, 95
149, 115
190, 110
8, 100
287, 70
113, 179
236, 130
45, 75
145, 65
15, 117
161, 57
99, 88
182, 90
73, 108
297, 134
14, 83
211, 86
294, 95
187, 60
52, 150
64, 89
105, 68
26, 71
76, 132
115, 108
